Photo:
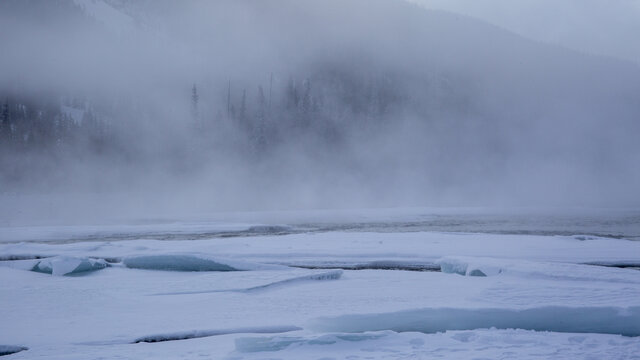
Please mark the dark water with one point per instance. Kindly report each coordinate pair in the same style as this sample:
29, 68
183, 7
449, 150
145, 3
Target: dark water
611, 226
617, 226
608, 224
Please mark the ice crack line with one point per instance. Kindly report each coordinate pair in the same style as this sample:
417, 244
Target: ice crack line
330, 275
207, 333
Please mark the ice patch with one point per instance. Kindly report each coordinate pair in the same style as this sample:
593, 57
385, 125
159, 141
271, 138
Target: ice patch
278, 343
58, 265
63, 265
207, 333
481, 266
602, 320
479, 344
468, 267
11, 349
190, 262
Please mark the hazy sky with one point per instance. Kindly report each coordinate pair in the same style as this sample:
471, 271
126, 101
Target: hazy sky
607, 27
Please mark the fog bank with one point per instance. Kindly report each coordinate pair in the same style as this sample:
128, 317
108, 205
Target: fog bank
142, 107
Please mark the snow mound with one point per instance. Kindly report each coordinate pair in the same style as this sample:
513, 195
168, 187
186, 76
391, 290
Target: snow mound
278, 343
11, 349
602, 320
207, 333
190, 262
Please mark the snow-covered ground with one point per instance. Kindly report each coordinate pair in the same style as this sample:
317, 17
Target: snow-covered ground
317, 294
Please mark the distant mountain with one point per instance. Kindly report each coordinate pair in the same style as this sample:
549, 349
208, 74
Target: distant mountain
111, 15
591, 26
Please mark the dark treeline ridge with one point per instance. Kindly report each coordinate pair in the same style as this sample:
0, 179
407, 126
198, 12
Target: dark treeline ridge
321, 113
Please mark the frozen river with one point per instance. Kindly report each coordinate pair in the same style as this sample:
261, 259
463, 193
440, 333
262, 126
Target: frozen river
325, 285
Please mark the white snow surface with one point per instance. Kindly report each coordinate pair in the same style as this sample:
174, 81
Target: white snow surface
538, 299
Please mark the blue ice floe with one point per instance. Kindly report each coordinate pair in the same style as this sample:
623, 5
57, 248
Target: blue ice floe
602, 320
191, 262
468, 267
63, 265
483, 266
58, 265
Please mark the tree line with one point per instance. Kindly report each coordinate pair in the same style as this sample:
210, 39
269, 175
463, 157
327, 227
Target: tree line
322, 109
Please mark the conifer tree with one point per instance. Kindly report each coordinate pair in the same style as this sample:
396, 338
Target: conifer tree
5, 124
194, 104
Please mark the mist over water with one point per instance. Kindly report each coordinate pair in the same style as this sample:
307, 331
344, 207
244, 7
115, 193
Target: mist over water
119, 108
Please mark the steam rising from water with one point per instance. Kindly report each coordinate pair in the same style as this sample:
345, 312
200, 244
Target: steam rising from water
178, 107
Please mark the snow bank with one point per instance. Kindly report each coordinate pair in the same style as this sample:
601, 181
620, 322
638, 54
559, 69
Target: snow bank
190, 262
602, 320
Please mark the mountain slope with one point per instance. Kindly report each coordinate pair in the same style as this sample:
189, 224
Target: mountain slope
375, 102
